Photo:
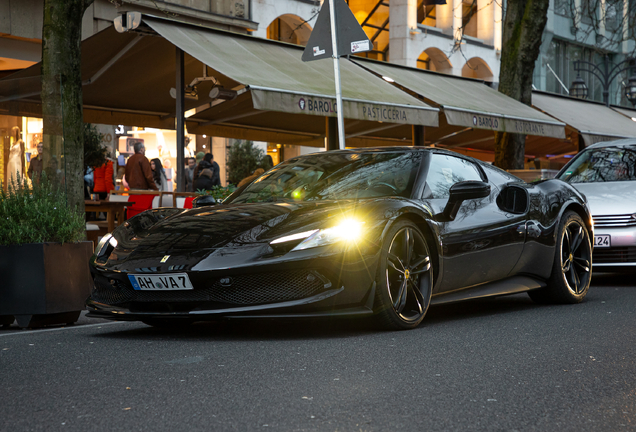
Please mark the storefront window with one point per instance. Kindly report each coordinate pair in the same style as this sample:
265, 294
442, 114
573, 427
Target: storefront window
159, 143
22, 149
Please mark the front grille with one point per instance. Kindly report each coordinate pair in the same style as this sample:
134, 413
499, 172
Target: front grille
104, 292
242, 290
625, 254
615, 221
268, 288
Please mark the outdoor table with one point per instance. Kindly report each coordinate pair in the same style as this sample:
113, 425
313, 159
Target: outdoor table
110, 208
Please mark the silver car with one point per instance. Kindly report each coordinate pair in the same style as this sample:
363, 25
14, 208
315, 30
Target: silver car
606, 174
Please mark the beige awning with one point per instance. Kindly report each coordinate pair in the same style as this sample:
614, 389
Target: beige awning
128, 77
280, 81
627, 112
593, 120
469, 103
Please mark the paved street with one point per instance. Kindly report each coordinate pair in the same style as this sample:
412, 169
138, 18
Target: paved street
502, 364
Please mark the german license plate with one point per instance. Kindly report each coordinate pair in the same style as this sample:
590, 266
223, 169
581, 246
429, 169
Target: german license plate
161, 282
602, 241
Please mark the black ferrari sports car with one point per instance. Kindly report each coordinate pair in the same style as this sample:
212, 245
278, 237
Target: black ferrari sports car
377, 232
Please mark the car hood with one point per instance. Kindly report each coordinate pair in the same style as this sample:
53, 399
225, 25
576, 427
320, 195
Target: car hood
609, 198
217, 226
240, 230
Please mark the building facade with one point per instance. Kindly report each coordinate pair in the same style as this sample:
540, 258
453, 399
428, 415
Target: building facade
590, 31
461, 38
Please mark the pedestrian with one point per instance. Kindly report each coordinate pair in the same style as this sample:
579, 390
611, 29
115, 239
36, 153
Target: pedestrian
269, 162
189, 175
167, 168
208, 163
103, 179
161, 181
119, 179
138, 171
250, 179
37, 164
205, 181
199, 158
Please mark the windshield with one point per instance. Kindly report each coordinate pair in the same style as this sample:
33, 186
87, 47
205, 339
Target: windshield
607, 164
336, 176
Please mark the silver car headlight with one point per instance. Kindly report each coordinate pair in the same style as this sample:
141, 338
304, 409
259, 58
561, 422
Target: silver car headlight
107, 240
348, 230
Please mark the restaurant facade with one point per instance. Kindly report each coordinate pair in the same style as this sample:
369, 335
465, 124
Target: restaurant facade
411, 94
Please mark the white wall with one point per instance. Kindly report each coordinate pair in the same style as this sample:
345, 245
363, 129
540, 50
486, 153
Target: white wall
266, 11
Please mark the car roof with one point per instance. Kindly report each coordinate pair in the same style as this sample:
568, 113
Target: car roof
618, 143
395, 149
380, 149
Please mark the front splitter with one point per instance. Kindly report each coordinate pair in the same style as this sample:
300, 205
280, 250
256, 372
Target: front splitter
272, 310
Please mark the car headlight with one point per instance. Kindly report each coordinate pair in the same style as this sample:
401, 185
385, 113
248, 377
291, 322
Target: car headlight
348, 230
108, 241
289, 238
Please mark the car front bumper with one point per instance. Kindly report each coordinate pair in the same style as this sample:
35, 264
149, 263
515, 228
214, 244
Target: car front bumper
622, 250
320, 283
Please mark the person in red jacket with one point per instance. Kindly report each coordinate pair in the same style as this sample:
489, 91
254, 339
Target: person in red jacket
103, 179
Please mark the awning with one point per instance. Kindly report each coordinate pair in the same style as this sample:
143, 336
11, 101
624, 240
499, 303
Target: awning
128, 77
469, 103
629, 113
593, 120
279, 80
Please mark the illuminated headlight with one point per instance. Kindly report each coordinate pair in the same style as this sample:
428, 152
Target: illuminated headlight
298, 236
349, 231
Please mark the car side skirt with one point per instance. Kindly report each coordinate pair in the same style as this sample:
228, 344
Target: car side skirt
511, 285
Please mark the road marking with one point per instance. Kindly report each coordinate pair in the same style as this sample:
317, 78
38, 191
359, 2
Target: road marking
63, 328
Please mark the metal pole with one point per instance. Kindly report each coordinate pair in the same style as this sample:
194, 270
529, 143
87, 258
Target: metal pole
606, 82
331, 126
180, 122
336, 70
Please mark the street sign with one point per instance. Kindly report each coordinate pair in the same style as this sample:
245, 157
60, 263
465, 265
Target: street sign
350, 36
337, 32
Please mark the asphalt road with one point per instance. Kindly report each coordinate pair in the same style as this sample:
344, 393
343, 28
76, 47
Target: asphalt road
501, 364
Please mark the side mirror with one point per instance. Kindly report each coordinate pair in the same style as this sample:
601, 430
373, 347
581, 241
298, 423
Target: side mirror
203, 200
460, 192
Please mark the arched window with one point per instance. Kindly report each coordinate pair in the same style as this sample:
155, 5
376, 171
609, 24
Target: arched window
477, 68
435, 60
289, 28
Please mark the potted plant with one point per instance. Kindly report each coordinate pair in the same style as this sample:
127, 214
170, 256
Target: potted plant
218, 192
43, 255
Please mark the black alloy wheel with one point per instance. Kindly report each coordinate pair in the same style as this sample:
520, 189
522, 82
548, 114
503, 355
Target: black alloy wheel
576, 257
572, 268
405, 277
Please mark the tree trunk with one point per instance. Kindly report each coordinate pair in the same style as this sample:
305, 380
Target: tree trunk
523, 27
62, 96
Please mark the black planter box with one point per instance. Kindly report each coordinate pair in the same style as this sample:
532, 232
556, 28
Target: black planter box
44, 283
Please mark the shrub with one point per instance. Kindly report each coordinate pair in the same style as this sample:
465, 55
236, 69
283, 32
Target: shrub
218, 192
243, 159
94, 153
38, 214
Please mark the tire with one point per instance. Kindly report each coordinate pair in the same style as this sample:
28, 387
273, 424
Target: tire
404, 282
572, 267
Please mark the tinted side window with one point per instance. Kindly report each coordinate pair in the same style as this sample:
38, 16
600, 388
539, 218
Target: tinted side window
444, 171
498, 176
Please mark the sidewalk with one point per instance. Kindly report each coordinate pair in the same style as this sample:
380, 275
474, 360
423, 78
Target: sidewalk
83, 320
